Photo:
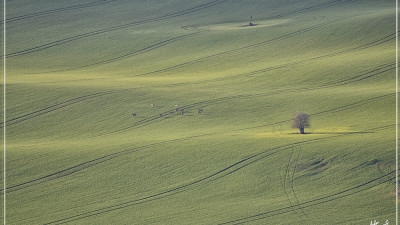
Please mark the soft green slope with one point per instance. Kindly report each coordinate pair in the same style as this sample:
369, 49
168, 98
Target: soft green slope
75, 153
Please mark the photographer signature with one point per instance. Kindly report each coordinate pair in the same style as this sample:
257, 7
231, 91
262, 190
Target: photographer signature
377, 223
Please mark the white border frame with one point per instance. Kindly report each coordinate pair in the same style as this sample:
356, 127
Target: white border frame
397, 112
4, 111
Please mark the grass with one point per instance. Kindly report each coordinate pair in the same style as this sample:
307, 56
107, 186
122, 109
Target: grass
75, 153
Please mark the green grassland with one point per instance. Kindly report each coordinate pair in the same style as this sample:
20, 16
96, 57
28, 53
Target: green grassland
77, 70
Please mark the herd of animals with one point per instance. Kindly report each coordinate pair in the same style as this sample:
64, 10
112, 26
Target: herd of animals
182, 112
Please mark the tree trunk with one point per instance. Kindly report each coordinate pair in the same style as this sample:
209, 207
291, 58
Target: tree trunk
301, 129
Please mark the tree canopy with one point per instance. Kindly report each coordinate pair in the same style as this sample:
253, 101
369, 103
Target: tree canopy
301, 121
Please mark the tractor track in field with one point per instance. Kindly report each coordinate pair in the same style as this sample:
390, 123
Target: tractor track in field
286, 176
91, 163
290, 179
283, 180
292, 182
321, 200
380, 70
135, 53
172, 113
218, 175
64, 9
333, 110
54, 107
268, 69
306, 9
283, 37
259, 44
123, 26
114, 28
102, 159
264, 154
286, 65
77, 168
164, 115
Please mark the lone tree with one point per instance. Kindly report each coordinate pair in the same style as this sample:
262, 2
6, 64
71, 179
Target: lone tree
301, 121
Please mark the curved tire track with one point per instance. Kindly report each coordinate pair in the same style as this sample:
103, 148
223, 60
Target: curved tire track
97, 161
73, 7
141, 51
114, 28
306, 9
217, 175
88, 164
282, 37
160, 18
338, 195
76, 168
292, 182
286, 176
381, 69
268, 69
369, 74
263, 155
362, 47
54, 108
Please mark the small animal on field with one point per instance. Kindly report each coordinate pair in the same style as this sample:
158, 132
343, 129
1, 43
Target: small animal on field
133, 114
152, 104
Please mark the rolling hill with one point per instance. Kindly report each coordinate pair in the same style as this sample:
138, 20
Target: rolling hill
77, 71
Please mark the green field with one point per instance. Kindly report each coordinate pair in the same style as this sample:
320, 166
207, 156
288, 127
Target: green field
77, 70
